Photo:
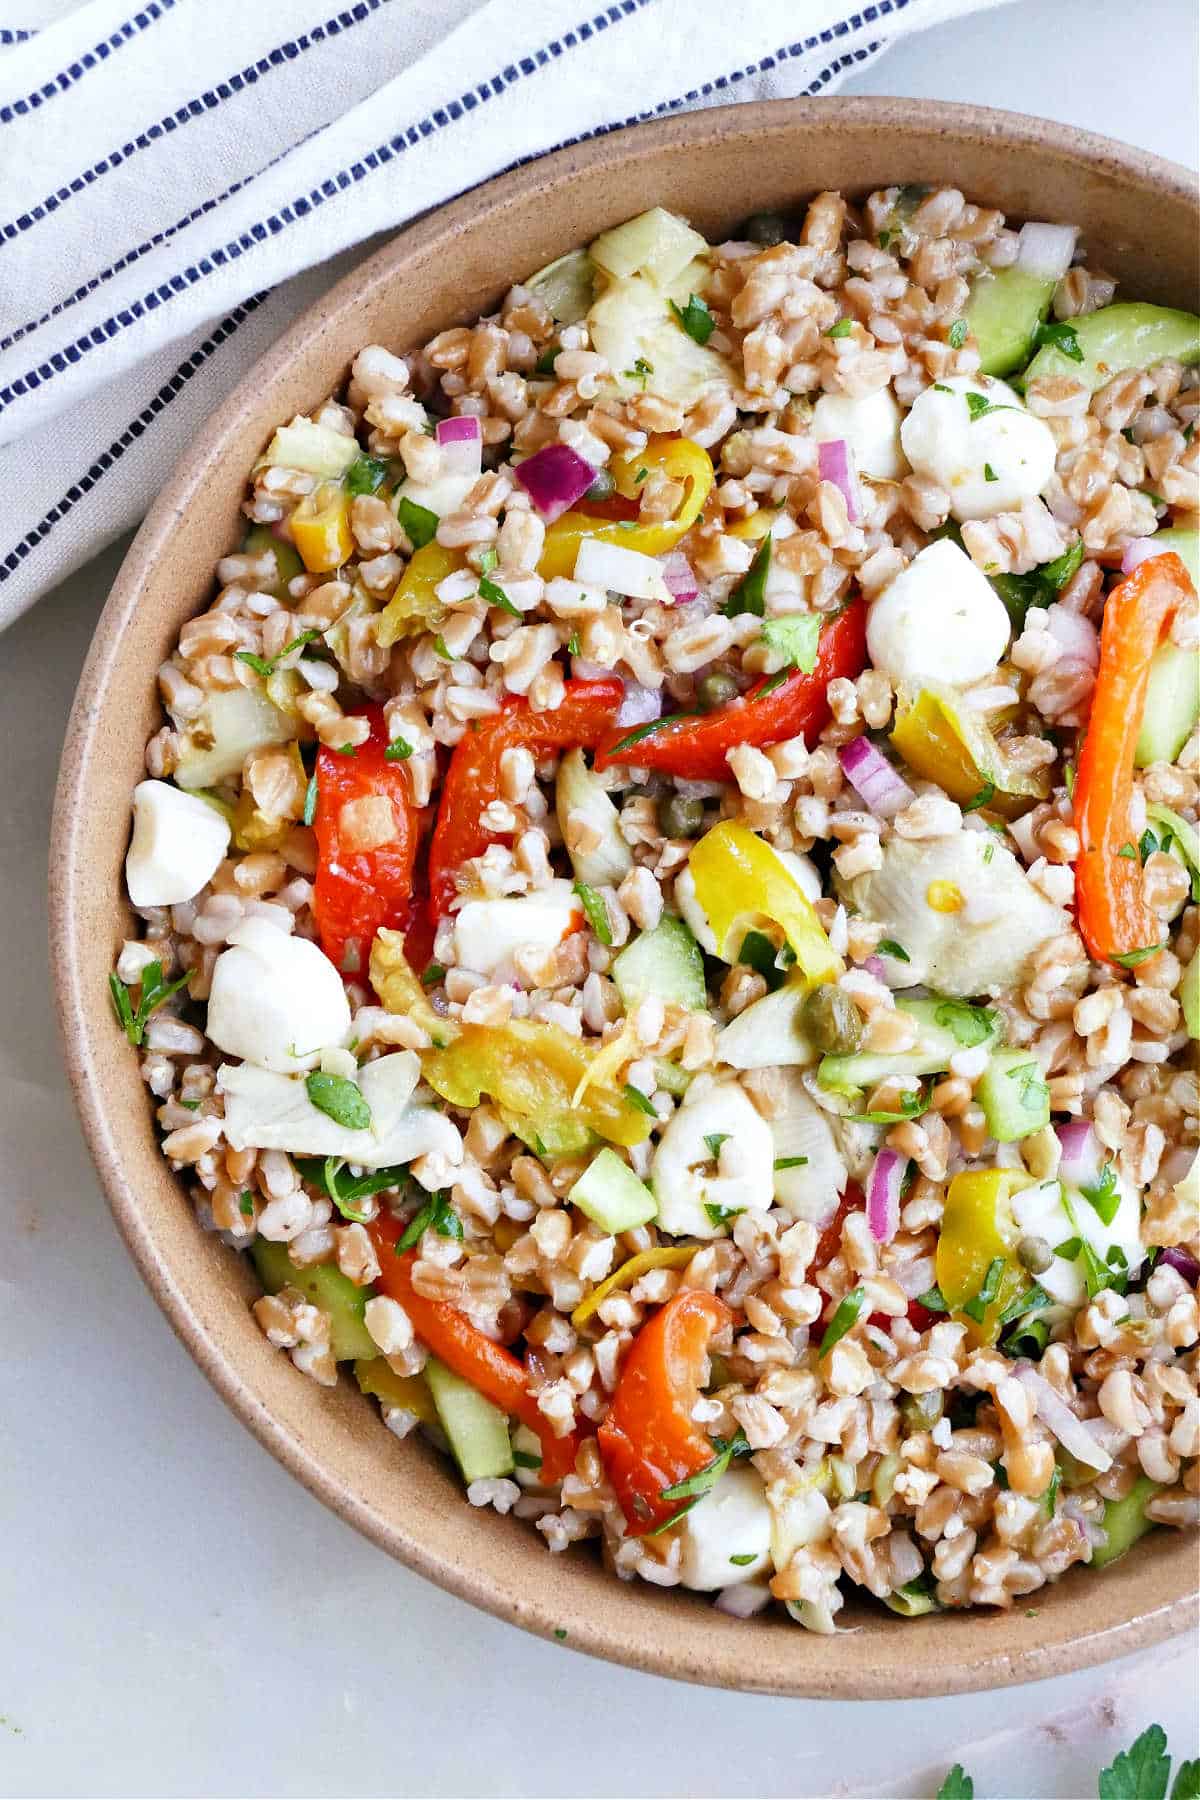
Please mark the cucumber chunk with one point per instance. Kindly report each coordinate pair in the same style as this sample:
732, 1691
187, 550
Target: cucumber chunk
477, 1430
326, 1286
1172, 705
611, 1195
665, 962
1003, 312
1130, 335
1014, 1095
567, 285
287, 557
1125, 1521
1185, 544
944, 1027
1189, 996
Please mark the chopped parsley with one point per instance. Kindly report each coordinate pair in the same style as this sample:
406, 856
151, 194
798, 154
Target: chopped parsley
794, 637
844, 1318
989, 474
911, 1106
310, 800
641, 1101
791, 1162
957, 1785
1103, 1194
436, 1212
695, 318
328, 1173
759, 953
1129, 850
705, 1479
434, 973
597, 912
1051, 1493
1039, 586
744, 1561
842, 329
264, 666
640, 370
1032, 1300
889, 947
525, 1459
1060, 335
496, 596
977, 1307
246, 1204
488, 561
573, 645
749, 596
721, 1215
644, 731
545, 362
979, 406
958, 334
339, 1099
365, 475
970, 1025
714, 1142
932, 1300
399, 750
420, 525
1129, 959
154, 991
441, 649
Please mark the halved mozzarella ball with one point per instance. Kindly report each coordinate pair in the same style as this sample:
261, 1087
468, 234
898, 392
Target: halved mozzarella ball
177, 845
939, 620
731, 1521
488, 932
987, 461
870, 424
689, 1175
275, 1000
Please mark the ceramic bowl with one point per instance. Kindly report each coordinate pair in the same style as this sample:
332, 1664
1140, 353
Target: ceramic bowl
715, 167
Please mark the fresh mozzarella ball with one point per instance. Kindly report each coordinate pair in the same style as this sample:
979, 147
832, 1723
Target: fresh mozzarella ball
731, 1520
686, 1176
177, 845
487, 932
870, 424
939, 620
988, 464
275, 1000
802, 869
620, 571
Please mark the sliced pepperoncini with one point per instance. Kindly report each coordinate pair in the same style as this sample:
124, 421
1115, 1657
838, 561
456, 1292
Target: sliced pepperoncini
415, 606
681, 460
321, 529
663, 1256
947, 742
739, 881
978, 1231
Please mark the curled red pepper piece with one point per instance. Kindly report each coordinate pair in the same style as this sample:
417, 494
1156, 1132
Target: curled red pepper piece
473, 778
491, 1369
649, 1440
358, 890
1114, 920
696, 746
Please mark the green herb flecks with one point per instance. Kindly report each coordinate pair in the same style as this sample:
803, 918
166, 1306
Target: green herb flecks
979, 406
267, 666
365, 475
310, 800
329, 1174
970, 1025
958, 334
641, 1101
714, 1141
597, 912
749, 596
845, 1317
704, 1480
496, 596
1129, 959
932, 1300
1103, 1194
419, 524
791, 1162
645, 731
436, 1212
842, 329
795, 637
977, 1307
339, 1099
154, 991
1060, 334
722, 1215
695, 318
889, 947
399, 750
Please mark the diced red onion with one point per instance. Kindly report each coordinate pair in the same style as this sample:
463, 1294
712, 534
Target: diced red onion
583, 670
1072, 1433
1080, 1160
1046, 250
1138, 550
679, 577
1183, 1262
875, 966
744, 1600
873, 778
835, 463
555, 478
460, 441
883, 1195
1077, 635
640, 705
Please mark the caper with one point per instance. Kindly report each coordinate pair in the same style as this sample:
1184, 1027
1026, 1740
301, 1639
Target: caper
680, 815
921, 1412
715, 689
767, 228
1034, 1254
603, 488
832, 1021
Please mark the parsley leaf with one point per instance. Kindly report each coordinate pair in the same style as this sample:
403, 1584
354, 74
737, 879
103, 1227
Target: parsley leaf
842, 329
420, 525
721, 1215
438, 1212
442, 649
597, 912
328, 1173
310, 800
759, 953
365, 475
496, 596
970, 1025
957, 1785
845, 1316
641, 1101
1141, 1772
1129, 959
977, 1307
434, 973
989, 474
794, 637
743, 1561
695, 1486
154, 992
1104, 1194
714, 1142
958, 334
1130, 851
932, 1300
641, 368
979, 406
1187, 1781
525, 1459
911, 1106
749, 596
339, 1099
695, 318
265, 666
983, 797
1031, 1300
1061, 335
889, 947
791, 1162
642, 731
399, 750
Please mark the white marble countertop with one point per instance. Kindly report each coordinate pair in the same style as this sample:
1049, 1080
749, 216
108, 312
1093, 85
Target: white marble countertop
177, 1617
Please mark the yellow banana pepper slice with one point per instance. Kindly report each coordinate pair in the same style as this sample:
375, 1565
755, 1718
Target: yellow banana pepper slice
321, 529
679, 458
663, 1256
946, 742
532, 1069
375, 1376
978, 1231
415, 606
740, 880
400, 991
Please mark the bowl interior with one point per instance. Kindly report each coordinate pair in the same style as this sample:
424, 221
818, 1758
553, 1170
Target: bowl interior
1139, 214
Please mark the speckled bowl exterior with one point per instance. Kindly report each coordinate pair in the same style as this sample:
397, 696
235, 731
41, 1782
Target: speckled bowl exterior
1140, 215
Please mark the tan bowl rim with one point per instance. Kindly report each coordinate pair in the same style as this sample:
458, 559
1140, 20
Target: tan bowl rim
977, 1657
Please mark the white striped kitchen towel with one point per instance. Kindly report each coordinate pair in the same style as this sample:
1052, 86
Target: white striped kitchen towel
178, 178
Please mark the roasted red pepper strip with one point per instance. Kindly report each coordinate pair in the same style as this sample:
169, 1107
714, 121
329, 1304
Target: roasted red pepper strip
473, 778
649, 1440
357, 891
696, 747
1114, 920
494, 1371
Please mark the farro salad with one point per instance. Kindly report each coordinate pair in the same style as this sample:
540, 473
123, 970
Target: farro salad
668, 895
